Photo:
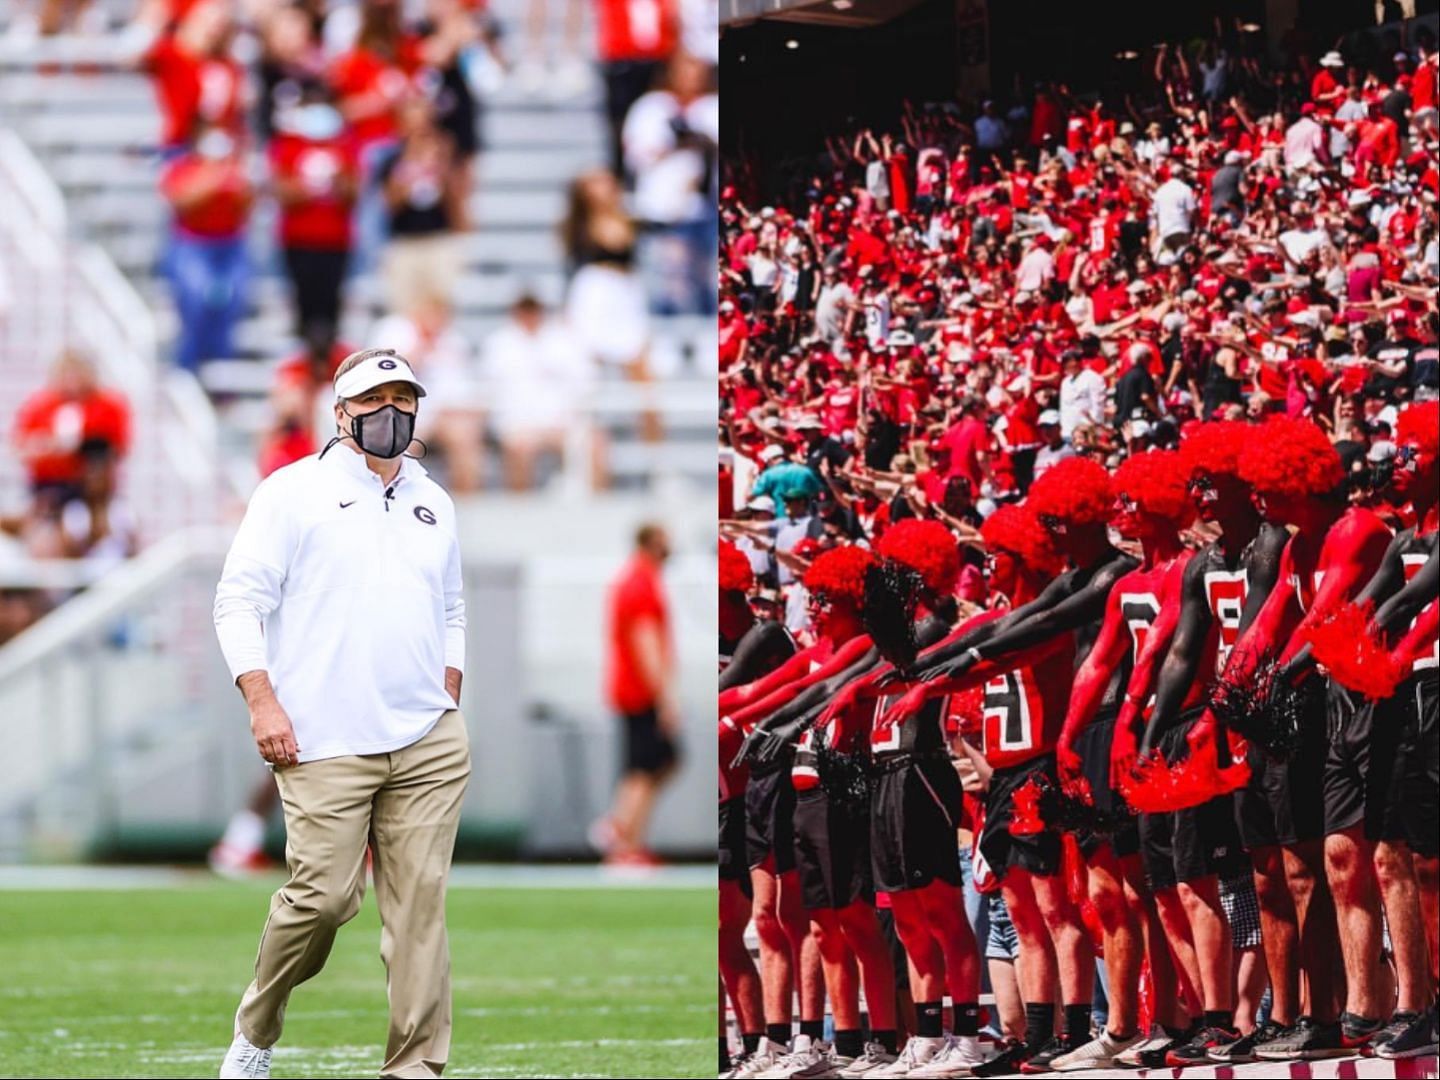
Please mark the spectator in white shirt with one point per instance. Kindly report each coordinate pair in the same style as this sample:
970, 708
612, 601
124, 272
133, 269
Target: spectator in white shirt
1082, 395
1304, 142
1174, 209
1037, 268
535, 380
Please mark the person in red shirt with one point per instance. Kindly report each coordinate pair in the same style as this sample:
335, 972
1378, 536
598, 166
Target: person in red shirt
293, 398
635, 42
53, 423
211, 195
315, 170
640, 684
196, 81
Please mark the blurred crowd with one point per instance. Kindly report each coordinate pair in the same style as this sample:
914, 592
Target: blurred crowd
932, 314
354, 128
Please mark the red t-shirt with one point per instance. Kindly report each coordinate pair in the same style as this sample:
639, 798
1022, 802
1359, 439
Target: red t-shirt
967, 440
192, 89
321, 221
223, 212
636, 597
361, 71
100, 415
636, 29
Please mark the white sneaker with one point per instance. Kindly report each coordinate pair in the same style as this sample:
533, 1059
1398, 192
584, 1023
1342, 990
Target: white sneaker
875, 1058
244, 1060
917, 1052
765, 1057
799, 1052
1130, 1057
960, 1054
816, 1060
1100, 1052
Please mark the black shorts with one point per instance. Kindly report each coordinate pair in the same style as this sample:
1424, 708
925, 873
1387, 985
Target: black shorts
1190, 844
1093, 746
1038, 853
1420, 751
1284, 802
733, 864
832, 852
770, 819
647, 748
1361, 767
914, 815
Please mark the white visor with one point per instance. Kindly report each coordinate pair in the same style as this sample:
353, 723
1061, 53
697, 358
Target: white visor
379, 367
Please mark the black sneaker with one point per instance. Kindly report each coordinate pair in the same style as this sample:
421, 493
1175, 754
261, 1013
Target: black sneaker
1013, 1053
1242, 1050
1197, 1050
1356, 1031
1420, 1038
1398, 1023
1039, 1062
1155, 1059
1306, 1041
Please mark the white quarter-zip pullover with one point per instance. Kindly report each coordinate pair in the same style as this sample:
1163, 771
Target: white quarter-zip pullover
348, 594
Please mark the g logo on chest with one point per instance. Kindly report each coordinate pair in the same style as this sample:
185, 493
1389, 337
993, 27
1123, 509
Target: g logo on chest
424, 514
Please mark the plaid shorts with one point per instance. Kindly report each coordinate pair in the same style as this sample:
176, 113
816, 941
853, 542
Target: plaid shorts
1242, 909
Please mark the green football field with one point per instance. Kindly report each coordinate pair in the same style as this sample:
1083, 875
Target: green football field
547, 982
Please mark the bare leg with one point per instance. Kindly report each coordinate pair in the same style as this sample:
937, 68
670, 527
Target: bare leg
1250, 982
1210, 931
1122, 940
1073, 953
1427, 878
1279, 934
1315, 909
777, 966
1182, 946
1396, 873
1036, 970
1007, 998
737, 969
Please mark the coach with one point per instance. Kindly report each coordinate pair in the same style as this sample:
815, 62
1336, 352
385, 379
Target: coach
340, 615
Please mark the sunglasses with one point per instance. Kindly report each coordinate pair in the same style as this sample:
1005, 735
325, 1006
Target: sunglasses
1053, 524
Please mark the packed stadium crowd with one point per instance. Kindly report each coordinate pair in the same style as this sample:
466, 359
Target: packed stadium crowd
1078, 483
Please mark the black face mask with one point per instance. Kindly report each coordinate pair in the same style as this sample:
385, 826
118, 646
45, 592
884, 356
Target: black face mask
384, 433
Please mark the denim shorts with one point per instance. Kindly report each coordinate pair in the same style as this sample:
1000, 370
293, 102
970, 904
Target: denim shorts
1002, 942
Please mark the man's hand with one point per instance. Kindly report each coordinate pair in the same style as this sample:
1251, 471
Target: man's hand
269, 723
274, 734
1068, 765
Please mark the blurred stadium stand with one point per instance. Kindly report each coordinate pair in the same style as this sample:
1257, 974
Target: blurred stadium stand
131, 740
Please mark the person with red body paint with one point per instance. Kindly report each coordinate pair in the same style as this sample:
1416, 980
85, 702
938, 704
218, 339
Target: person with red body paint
1073, 502
1375, 759
914, 805
1297, 480
1221, 590
1022, 712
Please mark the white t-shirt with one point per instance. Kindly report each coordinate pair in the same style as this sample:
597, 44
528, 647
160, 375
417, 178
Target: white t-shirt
1082, 400
830, 310
534, 382
668, 179
1174, 207
350, 598
877, 319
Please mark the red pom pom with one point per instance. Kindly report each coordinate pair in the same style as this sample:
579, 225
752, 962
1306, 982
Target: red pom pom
1342, 642
928, 548
1158, 481
1015, 529
1076, 490
735, 572
1353, 379
1291, 458
1159, 787
1215, 447
1420, 425
968, 708
840, 573
1025, 818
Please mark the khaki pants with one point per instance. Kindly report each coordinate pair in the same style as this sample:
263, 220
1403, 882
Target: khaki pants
421, 268
406, 805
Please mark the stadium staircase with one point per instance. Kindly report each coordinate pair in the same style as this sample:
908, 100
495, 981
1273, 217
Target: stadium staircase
94, 126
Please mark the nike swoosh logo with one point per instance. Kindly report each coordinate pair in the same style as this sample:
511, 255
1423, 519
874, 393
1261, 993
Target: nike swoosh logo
350, 503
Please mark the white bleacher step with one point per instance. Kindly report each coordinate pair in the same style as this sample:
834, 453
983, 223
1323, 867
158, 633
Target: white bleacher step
573, 131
